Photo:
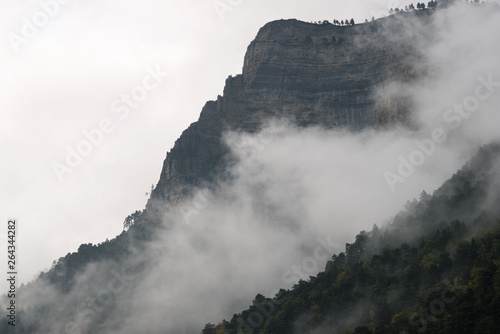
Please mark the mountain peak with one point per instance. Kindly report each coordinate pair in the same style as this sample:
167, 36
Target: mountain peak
314, 74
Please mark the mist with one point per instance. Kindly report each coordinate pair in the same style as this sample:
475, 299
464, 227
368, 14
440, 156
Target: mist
296, 195
63, 79
293, 186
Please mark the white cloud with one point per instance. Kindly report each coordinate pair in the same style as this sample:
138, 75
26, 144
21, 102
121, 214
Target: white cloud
64, 80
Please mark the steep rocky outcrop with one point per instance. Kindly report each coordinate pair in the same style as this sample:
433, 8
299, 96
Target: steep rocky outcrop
313, 73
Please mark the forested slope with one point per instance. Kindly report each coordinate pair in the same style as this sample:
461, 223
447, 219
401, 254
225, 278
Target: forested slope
434, 268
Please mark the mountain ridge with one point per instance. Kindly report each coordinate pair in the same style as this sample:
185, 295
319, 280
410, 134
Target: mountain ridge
342, 88
390, 279
326, 75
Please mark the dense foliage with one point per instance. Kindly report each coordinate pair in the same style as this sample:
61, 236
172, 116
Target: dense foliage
434, 269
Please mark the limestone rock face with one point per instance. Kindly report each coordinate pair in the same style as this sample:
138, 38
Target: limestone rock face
311, 73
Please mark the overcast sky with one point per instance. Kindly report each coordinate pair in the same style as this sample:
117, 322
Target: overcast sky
65, 73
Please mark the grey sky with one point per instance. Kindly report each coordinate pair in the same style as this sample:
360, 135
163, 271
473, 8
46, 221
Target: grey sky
63, 77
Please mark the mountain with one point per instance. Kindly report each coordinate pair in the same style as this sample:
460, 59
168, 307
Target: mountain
314, 74
434, 268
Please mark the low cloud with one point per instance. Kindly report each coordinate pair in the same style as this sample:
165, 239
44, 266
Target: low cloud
292, 190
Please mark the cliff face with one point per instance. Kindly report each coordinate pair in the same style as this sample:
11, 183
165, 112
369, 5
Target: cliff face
314, 74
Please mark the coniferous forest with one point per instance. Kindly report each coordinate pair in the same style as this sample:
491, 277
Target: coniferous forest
298, 147
434, 269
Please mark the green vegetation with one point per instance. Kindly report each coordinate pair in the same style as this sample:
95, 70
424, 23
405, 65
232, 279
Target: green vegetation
434, 269
420, 6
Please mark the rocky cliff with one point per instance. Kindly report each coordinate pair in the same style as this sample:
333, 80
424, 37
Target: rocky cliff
312, 73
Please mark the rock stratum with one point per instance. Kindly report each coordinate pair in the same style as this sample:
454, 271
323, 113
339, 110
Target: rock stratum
156, 279
314, 74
